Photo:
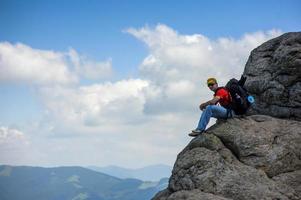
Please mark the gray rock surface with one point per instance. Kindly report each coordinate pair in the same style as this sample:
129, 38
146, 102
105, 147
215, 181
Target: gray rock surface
293, 179
273, 73
255, 157
191, 195
264, 143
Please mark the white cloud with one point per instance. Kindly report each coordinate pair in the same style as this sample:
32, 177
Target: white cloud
90, 69
23, 64
194, 57
9, 135
13, 146
97, 105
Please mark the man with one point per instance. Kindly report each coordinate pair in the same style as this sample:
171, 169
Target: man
211, 109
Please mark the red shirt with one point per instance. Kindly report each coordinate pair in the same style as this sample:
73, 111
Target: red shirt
224, 96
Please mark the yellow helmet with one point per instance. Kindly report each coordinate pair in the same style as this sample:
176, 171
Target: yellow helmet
211, 81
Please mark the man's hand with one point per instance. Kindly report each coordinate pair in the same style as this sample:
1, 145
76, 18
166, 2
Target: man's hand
202, 106
210, 102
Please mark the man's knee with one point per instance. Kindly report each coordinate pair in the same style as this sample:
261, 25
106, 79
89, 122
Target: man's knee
209, 107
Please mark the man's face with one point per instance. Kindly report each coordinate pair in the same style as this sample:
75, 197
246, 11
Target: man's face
213, 86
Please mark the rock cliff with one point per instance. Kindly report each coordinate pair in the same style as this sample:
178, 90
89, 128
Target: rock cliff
256, 156
273, 73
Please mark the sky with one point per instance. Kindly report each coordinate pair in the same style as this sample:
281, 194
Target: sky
119, 82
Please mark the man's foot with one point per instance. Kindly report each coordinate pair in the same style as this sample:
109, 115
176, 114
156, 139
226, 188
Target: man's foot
195, 133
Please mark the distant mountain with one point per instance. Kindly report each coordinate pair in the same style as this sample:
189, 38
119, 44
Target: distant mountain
71, 183
149, 173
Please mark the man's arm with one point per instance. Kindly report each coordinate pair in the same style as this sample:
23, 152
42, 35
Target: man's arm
210, 102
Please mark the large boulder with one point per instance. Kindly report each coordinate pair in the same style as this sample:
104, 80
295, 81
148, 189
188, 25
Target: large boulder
256, 157
273, 73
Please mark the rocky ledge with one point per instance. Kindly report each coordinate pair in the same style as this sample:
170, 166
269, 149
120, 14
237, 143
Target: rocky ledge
255, 157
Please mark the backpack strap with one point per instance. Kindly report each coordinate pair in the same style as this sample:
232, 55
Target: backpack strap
242, 80
229, 113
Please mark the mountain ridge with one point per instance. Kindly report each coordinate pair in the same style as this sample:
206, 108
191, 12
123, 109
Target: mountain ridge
147, 173
70, 183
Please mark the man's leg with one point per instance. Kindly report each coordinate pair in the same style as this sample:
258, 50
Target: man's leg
211, 111
220, 112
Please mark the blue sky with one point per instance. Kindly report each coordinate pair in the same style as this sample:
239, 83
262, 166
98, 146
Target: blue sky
158, 50
95, 27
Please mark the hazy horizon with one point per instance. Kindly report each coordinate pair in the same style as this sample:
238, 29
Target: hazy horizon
86, 166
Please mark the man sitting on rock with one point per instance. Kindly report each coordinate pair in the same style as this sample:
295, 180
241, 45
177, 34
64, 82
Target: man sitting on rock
211, 109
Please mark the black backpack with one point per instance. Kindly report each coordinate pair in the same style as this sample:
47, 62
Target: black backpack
239, 95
